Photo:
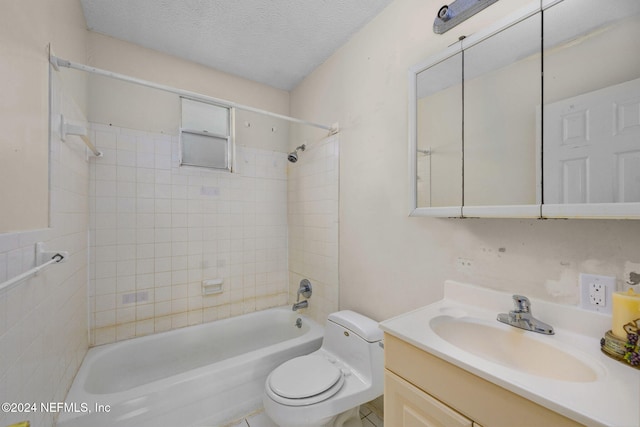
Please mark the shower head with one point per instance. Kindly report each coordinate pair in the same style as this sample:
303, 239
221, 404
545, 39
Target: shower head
293, 156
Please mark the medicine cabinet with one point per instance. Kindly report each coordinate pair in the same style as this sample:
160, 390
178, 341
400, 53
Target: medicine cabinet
537, 116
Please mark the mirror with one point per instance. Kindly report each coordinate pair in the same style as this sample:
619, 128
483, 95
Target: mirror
502, 90
592, 103
563, 143
439, 134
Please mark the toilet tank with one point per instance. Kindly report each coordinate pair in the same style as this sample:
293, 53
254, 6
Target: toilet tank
356, 340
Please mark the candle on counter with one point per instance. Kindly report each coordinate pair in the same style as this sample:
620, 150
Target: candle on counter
625, 309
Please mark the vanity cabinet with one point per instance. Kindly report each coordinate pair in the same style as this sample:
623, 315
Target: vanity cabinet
423, 390
408, 406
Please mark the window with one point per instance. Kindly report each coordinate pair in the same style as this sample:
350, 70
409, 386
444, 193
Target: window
205, 135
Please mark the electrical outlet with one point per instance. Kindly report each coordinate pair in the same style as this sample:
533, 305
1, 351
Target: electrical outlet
595, 292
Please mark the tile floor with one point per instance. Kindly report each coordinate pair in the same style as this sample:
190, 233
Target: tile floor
260, 419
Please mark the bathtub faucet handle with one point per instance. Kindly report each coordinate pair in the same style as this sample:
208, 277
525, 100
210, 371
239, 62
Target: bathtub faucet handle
304, 289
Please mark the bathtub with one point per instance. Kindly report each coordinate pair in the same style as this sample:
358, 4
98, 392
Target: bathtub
204, 375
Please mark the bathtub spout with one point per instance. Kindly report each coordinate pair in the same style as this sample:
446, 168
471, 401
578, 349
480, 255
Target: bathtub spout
301, 304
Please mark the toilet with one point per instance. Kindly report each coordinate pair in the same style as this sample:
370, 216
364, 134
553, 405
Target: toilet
327, 387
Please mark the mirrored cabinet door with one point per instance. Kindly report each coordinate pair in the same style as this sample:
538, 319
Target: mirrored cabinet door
538, 115
591, 127
439, 134
502, 98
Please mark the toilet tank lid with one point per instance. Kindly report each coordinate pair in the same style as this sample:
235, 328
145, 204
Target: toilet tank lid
357, 323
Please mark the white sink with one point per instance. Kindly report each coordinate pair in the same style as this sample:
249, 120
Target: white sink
565, 372
513, 348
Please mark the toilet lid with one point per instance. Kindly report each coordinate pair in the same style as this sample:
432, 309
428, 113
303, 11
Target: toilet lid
304, 377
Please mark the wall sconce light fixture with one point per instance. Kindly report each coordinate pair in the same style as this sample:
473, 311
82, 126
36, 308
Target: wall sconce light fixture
457, 12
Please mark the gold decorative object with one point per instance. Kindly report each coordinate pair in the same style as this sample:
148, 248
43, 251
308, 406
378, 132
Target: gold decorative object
625, 351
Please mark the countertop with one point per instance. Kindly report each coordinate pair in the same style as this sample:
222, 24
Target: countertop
612, 400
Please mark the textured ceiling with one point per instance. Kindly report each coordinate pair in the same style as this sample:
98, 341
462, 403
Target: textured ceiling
276, 42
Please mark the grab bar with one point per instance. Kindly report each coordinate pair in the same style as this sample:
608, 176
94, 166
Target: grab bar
11, 282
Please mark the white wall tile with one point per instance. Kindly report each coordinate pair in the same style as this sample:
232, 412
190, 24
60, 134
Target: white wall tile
145, 160
105, 172
125, 331
126, 142
145, 175
145, 145
106, 139
313, 217
175, 226
125, 158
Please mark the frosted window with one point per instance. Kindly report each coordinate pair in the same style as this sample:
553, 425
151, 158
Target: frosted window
205, 151
202, 117
205, 136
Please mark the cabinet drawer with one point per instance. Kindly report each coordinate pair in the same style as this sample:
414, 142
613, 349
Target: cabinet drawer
408, 406
472, 396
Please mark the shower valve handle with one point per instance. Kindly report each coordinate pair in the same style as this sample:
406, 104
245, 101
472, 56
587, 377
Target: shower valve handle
304, 289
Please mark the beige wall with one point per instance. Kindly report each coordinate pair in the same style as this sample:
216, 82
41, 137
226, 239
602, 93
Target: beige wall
26, 28
126, 58
136, 107
439, 130
391, 263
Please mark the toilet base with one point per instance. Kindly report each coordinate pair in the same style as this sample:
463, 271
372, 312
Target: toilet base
350, 418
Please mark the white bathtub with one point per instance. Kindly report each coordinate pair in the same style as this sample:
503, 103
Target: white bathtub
204, 375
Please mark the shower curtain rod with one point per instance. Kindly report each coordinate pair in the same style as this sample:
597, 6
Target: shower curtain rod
59, 62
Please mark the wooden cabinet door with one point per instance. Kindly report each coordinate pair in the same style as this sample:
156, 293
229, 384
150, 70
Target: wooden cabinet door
407, 406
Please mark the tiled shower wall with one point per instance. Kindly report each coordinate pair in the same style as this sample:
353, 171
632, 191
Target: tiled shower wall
43, 320
158, 230
313, 225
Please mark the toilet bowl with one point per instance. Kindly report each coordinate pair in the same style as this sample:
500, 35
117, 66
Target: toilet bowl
327, 387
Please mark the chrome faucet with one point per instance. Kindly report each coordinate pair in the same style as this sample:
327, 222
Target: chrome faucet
305, 291
522, 318
301, 304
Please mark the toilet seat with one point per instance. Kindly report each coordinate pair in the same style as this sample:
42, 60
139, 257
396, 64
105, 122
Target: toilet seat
305, 380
